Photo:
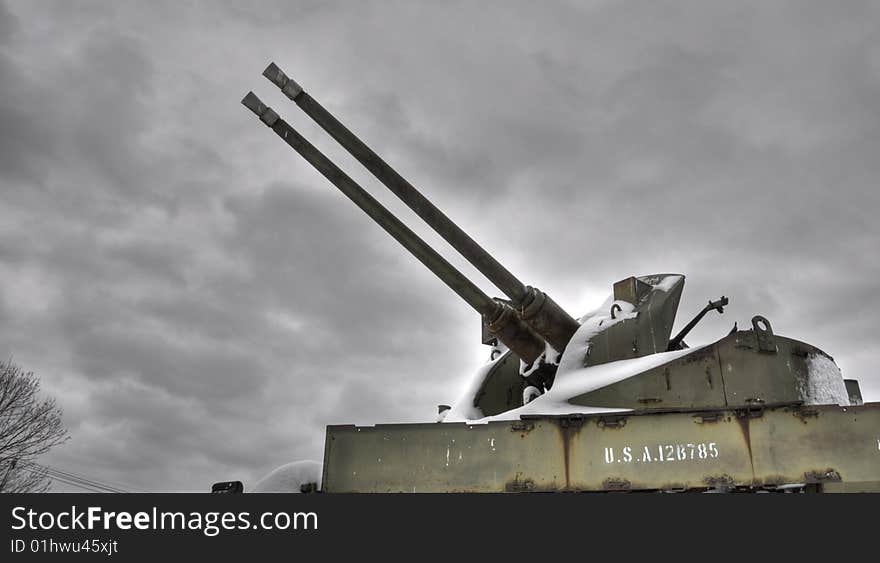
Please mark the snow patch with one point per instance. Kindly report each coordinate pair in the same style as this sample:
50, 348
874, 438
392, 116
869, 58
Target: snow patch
602, 309
530, 393
825, 384
579, 381
464, 408
668, 282
290, 477
576, 382
550, 356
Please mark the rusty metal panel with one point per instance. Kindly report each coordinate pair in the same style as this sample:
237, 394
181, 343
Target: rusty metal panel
662, 450
693, 381
500, 456
502, 388
631, 290
732, 372
755, 377
817, 444
645, 334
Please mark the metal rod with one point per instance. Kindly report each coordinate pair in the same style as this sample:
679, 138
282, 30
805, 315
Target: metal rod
539, 311
675, 343
445, 227
528, 346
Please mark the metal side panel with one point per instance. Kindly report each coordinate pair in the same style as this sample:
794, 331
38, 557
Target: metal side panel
443, 457
670, 451
660, 450
817, 444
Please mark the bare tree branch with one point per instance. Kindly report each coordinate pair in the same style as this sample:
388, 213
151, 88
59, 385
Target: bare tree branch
30, 425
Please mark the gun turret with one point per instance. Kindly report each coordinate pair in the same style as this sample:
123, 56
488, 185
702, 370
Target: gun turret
498, 316
533, 306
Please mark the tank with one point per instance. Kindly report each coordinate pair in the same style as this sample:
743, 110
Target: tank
610, 401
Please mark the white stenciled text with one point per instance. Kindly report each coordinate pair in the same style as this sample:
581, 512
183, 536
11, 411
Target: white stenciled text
662, 453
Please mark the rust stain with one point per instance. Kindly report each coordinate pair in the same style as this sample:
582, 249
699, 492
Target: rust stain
616, 484
517, 486
566, 455
743, 421
719, 480
822, 475
568, 429
804, 414
522, 426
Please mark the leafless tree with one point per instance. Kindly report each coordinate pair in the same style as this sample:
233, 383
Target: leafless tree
30, 425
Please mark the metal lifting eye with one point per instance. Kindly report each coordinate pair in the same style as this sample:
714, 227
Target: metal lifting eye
764, 334
615, 306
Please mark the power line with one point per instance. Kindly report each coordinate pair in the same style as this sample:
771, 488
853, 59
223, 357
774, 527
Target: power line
56, 479
87, 482
65, 481
75, 480
80, 483
95, 482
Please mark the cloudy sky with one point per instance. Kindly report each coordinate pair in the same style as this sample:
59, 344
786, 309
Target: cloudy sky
202, 303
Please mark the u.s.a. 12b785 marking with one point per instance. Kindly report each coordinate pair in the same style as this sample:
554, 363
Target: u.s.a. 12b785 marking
662, 453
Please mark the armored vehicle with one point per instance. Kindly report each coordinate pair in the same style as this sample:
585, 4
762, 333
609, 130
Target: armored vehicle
611, 401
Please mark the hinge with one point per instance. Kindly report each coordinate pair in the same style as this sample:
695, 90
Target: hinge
612, 421
571, 421
750, 411
707, 417
521, 426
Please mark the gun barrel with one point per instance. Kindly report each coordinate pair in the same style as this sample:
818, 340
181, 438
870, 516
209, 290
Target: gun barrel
509, 329
552, 322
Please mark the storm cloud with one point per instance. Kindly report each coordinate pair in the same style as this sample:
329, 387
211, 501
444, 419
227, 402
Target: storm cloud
202, 303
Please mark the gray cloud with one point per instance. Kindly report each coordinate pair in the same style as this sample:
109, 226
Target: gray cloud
202, 303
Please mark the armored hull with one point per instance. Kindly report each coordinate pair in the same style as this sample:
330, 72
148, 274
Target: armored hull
768, 448
741, 414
